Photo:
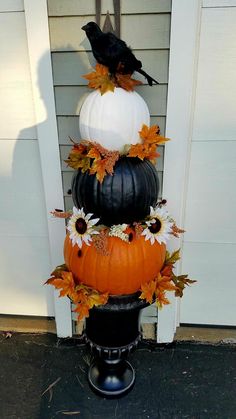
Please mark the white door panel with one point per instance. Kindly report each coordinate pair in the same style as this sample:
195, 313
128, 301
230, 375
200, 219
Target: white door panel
212, 299
209, 251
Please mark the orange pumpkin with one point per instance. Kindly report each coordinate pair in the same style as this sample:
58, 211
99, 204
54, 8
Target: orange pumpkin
122, 272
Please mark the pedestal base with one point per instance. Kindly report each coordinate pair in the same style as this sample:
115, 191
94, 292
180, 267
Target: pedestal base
112, 332
109, 381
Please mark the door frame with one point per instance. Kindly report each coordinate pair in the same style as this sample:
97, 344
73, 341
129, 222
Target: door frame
39, 46
184, 49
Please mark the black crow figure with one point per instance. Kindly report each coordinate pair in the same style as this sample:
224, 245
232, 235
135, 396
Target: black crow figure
113, 52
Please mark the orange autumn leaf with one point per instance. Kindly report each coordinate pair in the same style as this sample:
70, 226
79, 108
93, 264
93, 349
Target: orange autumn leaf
126, 82
99, 168
150, 135
83, 310
100, 79
148, 290
137, 150
143, 151
65, 283
151, 152
94, 154
87, 299
161, 299
163, 283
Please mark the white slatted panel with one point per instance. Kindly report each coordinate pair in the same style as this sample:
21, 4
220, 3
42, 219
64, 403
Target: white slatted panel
11, 6
24, 245
209, 243
16, 103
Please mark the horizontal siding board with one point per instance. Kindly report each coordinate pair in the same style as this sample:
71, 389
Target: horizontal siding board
69, 99
68, 67
11, 6
68, 126
66, 33
85, 7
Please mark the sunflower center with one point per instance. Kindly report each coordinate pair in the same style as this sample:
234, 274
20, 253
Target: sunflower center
81, 226
155, 227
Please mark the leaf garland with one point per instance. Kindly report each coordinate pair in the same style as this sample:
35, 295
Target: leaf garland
166, 280
82, 296
93, 157
101, 79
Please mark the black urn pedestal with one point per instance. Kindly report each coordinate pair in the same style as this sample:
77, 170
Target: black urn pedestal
112, 331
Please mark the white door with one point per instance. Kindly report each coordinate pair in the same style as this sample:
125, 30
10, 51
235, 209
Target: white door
209, 248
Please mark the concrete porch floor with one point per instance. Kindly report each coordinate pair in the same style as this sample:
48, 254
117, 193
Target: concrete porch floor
42, 377
30, 324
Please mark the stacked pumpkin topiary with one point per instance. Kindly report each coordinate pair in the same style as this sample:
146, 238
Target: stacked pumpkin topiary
116, 241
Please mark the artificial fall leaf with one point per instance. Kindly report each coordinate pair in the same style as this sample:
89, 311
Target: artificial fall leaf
126, 82
148, 289
143, 151
78, 161
176, 231
65, 283
151, 153
94, 154
100, 79
59, 269
172, 258
163, 283
181, 282
161, 300
151, 135
167, 271
83, 310
87, 299
137, 150
99, 168
60, 214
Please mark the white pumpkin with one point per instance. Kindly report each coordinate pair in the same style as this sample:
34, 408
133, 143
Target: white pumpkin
113, 119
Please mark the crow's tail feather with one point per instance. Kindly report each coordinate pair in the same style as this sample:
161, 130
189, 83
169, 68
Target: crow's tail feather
150, 80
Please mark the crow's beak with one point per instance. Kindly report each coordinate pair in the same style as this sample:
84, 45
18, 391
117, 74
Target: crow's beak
85, 27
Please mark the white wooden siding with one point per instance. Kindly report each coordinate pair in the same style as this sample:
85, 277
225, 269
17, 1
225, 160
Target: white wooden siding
24, 246
85, 7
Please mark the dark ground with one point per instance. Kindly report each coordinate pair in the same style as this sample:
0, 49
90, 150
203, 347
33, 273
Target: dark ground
177, 381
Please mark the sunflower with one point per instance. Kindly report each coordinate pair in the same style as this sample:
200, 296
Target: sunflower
81, 228
159, 225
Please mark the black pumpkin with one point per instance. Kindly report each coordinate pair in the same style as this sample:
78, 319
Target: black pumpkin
122, 198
